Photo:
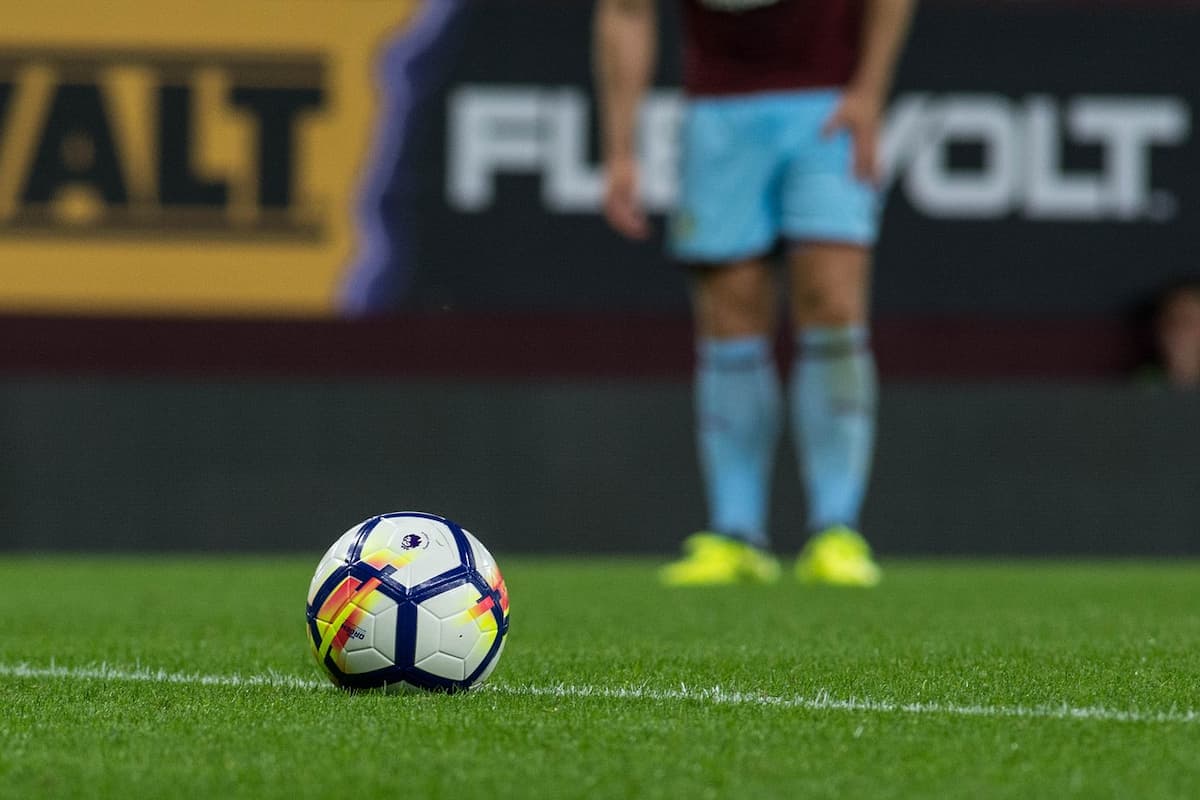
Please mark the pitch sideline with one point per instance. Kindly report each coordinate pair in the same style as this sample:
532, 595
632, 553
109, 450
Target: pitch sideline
822, 701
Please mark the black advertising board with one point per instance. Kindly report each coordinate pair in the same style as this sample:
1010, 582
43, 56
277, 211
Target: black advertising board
1041, 160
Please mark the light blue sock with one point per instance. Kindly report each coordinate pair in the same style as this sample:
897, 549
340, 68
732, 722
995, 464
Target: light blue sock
738, 406
833, 397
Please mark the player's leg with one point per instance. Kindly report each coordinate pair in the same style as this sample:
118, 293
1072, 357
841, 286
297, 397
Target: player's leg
726, 219
833, 386
832, 403
738, 405
832, 389
737, 393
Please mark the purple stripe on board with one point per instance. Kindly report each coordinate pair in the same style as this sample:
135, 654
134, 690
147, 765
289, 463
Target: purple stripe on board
412, 69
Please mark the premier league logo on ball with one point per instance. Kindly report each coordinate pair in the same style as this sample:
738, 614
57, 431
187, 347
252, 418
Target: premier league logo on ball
414, 541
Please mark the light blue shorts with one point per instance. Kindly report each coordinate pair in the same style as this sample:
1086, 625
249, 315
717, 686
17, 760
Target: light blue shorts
755, 169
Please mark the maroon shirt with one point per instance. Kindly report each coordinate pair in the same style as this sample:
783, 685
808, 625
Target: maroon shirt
789, 44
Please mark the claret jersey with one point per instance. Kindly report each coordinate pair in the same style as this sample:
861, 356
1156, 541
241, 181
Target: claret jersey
746, 46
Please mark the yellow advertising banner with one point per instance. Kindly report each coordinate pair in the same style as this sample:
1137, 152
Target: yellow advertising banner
184, 157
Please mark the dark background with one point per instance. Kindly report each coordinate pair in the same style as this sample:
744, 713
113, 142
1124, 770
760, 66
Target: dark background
534, 384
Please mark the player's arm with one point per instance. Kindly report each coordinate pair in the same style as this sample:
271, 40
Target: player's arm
885, 27
625, 49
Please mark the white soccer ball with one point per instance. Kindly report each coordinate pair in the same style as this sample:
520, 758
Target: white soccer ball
407, 600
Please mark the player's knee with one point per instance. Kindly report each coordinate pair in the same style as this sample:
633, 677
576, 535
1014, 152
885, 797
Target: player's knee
811, 306
723, 321
732, 311
737, 301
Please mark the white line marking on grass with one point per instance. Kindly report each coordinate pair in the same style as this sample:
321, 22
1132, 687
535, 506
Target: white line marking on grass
822, 701
106, 672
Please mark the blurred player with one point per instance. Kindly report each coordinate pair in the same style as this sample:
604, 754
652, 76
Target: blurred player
1177, 334
779, 144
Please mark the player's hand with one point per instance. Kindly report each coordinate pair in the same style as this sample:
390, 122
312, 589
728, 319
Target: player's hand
622, 207
859, 113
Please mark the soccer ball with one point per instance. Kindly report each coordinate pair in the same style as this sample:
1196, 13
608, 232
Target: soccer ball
407, 600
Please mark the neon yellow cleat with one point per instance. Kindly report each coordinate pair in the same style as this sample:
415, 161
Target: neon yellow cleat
714, 560
837, 556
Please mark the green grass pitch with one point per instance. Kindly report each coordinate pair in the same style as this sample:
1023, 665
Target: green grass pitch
190, 677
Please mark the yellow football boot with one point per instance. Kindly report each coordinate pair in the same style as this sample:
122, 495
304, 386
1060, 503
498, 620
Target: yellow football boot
837, 556
714, 560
